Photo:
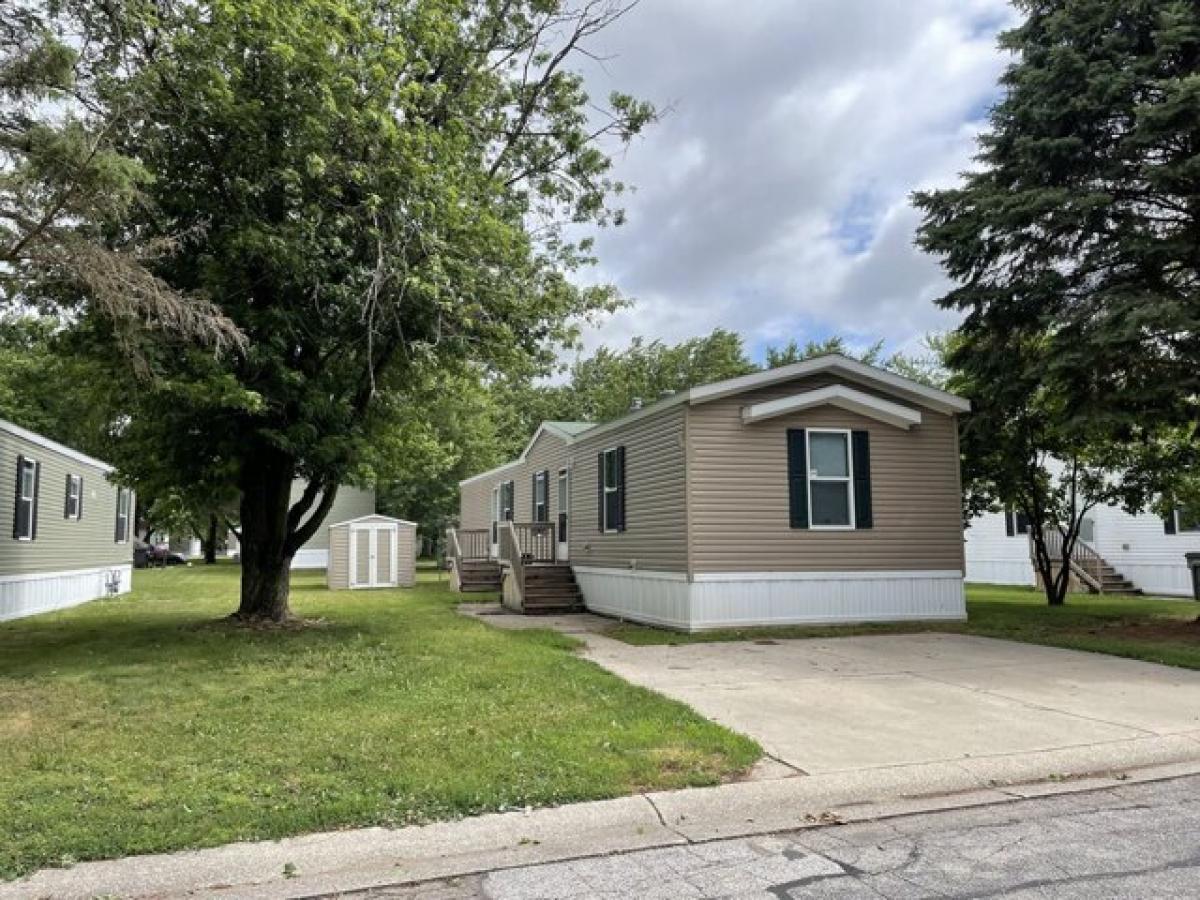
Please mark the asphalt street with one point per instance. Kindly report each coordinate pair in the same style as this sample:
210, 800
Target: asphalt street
1132, 841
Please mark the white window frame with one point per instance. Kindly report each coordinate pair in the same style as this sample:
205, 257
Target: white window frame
30, 466
124, 502
564, 491
1179, 529
541, 508
847, 479
607, 489
75, 497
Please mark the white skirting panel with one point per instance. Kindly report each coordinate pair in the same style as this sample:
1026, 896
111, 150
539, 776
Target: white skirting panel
656, 598
1157, 578
28, 595
825, 598
1000, 571
310, 559
741, 599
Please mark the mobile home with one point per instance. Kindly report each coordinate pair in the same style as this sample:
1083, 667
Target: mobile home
69, 534
819, 492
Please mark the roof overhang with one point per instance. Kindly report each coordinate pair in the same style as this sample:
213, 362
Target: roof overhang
921, 394
838, 395
69, 452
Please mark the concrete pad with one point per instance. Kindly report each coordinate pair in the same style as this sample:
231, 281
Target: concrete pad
845, 704
1150, 697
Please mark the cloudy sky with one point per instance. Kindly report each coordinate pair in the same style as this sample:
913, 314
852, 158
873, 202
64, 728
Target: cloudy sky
773, 197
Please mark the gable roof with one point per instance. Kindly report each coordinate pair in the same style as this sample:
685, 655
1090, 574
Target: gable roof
63, 449
564, 431
836, 363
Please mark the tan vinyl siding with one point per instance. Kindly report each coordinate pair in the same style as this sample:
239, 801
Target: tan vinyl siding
549, 452
738, 498
406, 565
350, 503
337, 576
475, 500
655, 514
62, 544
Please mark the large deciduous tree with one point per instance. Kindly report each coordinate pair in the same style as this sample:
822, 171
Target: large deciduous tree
1075, 246
370, 190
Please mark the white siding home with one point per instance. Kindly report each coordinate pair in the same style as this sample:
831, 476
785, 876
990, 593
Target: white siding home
1147, 550
66, 531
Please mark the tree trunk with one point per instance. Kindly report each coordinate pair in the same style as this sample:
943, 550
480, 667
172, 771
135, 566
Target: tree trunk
210, 544
266, 485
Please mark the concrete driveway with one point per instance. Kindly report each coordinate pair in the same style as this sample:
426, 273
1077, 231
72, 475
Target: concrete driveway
854, 703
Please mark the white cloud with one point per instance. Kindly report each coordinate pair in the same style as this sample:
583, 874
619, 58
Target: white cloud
773, 197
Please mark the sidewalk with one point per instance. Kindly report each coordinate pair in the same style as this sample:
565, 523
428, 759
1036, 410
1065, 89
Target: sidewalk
364, 858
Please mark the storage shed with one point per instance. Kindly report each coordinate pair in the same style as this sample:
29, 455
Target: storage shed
372, 552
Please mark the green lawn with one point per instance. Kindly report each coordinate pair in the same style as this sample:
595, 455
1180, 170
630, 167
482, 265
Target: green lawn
139, 724
1139, 627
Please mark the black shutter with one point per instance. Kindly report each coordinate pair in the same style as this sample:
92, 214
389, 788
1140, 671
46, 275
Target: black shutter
1169, 523
797, 478
546, 496
600, 491
67, 501
533, 497
79, 506
621, 488
1010, 523
117, 524
37, 490
861, 446
17, 499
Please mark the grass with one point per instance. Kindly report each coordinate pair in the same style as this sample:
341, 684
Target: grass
1155, 630
140, 724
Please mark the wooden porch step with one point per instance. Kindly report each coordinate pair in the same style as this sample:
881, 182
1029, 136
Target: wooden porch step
551, 589
478, 576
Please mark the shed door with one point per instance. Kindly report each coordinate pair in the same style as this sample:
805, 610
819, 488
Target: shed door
373, 555
385, 556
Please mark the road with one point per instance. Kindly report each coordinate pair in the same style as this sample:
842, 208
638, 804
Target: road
1132, 841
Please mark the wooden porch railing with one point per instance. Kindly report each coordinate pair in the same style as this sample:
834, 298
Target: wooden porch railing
1086, 564
536, 541
475, 543
511, 556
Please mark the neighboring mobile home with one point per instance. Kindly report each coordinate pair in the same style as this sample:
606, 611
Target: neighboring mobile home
824, 491
1139, 552
68, 533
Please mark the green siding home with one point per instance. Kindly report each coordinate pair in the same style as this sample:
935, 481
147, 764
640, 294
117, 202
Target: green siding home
66, 531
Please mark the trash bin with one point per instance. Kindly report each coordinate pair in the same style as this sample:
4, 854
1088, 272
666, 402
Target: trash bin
1193, 561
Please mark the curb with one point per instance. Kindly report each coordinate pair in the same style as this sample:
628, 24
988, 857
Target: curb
349, 861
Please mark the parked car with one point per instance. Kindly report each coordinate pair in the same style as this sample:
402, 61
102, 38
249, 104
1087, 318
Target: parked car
150, 555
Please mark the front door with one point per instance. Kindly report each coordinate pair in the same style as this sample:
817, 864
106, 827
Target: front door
564, 514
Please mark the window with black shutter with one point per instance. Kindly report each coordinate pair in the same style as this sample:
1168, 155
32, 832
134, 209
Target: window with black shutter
74, 501
1015, 522
612, 489
829, 479
26, 498
541, 496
